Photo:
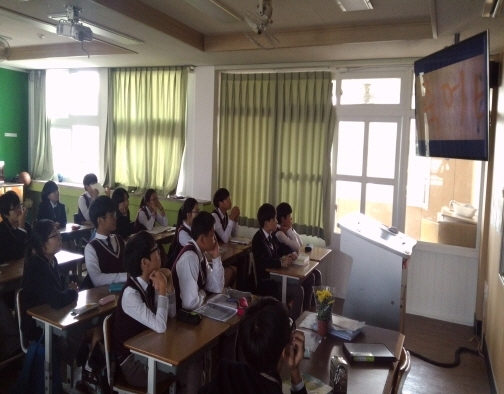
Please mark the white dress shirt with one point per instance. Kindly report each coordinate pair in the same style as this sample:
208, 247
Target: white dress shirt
184, 238
93, 266
83, 207
291, 239
188, 271
149, 222
134, 306
231, 229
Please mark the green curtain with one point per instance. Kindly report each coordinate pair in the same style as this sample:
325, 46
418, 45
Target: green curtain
147, 126
275, 137
42, 165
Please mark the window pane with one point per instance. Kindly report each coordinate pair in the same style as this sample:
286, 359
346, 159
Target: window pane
371, 91
85, 86
61, 141
350, 148
379, 202
348, 198
85, 140
58, 93
382, 149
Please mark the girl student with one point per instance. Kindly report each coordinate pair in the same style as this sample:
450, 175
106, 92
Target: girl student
187, 212
124, 226
50, 207
150, 212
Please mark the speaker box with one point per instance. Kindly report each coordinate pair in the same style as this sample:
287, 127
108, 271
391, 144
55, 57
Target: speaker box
493, 74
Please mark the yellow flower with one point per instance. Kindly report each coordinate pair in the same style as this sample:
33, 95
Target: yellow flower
324, 296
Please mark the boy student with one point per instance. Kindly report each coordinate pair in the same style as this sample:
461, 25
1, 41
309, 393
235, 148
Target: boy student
104, 255
269, 253
87, 198
268, 339
192, 275
14, 230
225, 226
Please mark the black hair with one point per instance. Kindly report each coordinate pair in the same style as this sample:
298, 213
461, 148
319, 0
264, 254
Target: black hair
264, 332
147, 196
282, 211
100, 207
40, 233
8, 201
138, 247
89, 179
185, 209
118, 197
266, 212
220, 195
49, 187
202, 224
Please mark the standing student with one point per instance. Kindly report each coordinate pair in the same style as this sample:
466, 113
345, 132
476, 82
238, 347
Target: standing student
192, 275
50, 207
104, 255
269, 253
150, 212
268, 340
14, 230
87, 198
187, 212
226, 226
147, 300
124, 226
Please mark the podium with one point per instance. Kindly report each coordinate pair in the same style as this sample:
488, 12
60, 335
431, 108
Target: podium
377, 286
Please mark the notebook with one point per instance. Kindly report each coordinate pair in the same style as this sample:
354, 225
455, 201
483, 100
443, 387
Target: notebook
218, 307
368, 352
240, 241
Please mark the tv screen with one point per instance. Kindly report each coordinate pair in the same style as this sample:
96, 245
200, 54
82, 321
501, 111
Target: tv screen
451, 101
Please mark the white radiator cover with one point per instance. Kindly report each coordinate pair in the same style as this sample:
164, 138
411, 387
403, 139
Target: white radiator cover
442, 286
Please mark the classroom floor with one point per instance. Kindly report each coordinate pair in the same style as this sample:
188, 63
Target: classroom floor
434, 339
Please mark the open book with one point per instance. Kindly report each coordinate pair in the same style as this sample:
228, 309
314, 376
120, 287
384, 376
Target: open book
240, 240
219, 307
161, 229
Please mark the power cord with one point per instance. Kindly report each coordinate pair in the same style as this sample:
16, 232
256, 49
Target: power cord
454, 364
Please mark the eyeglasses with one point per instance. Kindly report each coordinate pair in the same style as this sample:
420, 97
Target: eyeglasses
17, 207
58, 234
156, 249
292, 325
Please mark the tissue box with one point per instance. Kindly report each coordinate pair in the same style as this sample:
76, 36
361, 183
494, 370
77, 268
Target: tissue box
302, 260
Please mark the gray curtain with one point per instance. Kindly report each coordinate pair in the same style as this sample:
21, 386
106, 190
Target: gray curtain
43, 159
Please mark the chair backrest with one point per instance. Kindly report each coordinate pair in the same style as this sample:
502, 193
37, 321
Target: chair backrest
403, 370
18, 312
107, 341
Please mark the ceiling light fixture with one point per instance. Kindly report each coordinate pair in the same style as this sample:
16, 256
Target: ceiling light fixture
491, 8
355, 5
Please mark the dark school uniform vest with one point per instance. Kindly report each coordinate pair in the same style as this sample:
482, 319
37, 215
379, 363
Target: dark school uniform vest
125, 326
201, 276
139, 226
271, 247
176, 246
80, 215
223, 220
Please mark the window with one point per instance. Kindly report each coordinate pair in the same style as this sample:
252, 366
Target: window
76, 102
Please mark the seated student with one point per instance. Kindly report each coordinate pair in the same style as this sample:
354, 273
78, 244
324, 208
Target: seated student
288, 236
269, 253
104, 255
150, 212
14, 230
50, 206
267, 341
225, 226
147, 300
124, 226
192, 275
87, 198
186, 214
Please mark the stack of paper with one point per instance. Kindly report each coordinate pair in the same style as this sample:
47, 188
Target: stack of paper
302, 260
161, 229
341, 327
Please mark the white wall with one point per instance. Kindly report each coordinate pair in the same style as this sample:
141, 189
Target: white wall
200, 123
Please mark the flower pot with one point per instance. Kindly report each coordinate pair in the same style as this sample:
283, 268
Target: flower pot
322, 327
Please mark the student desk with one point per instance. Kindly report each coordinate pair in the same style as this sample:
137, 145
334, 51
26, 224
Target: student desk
82, 228
166, 237
293, 272
68, 261
60, 321
177, 347
369, 378
317, 253
11, 274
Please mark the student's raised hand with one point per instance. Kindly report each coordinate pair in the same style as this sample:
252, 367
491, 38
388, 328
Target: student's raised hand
293, 354
158, 281
235, 214
107, 191
94, 194
73, 286
122, 208
169, 279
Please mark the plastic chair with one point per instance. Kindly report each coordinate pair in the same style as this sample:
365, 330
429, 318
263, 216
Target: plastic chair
115, 377
18, 312
403, 370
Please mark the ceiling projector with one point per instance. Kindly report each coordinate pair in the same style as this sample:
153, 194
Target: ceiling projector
74, 30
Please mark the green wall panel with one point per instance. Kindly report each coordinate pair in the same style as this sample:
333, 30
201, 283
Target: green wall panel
14, 119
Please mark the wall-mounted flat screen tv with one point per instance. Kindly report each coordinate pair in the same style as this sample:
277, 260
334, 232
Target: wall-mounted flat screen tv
451, 101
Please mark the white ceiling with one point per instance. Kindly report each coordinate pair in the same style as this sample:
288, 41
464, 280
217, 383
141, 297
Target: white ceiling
307, 30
